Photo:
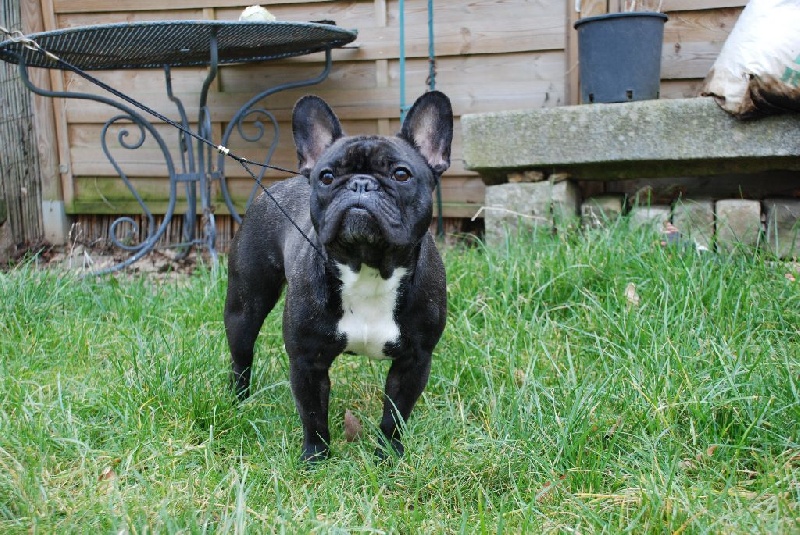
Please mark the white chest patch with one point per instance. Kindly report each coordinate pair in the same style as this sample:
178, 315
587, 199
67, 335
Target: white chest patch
368, 302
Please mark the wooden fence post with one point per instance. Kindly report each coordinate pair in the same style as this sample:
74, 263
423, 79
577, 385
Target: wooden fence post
20, 184
54, 219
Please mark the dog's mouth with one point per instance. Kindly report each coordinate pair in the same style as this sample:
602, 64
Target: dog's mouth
363, 220
358, 225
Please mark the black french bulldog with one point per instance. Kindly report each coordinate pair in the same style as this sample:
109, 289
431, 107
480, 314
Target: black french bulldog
367, 279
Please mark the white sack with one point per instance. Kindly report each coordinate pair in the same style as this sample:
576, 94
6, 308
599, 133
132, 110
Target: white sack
758, 69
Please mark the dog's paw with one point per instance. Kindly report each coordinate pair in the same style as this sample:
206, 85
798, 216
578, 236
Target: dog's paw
240, 383
388, 450
315, 453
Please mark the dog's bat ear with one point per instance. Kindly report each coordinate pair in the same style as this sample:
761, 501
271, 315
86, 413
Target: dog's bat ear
429, 127
315, 128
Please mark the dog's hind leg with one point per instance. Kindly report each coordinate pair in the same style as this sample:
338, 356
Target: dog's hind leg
246, 307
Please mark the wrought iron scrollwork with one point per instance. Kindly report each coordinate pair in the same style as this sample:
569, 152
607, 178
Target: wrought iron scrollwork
252, 124
127, 243
258, 135
203, 43
249, 110
128, 114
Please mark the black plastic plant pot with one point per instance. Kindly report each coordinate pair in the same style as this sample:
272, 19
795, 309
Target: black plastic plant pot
619, 56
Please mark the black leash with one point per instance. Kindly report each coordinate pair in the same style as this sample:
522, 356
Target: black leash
244, 162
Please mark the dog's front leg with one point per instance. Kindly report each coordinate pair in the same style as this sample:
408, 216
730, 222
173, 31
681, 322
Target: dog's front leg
311, 387
404, 384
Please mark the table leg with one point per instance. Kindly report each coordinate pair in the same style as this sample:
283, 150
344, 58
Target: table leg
189, 171
204, 153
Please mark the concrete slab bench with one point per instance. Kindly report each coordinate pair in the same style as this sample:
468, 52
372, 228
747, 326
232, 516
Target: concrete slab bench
653, 138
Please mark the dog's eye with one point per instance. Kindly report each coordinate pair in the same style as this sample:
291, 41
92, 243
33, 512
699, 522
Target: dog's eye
401, 174
326, 177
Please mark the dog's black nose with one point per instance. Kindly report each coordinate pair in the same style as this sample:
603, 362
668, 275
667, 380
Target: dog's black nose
362, 184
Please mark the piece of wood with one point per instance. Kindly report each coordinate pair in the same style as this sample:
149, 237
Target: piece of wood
691, 5
593, 8
59, 111
109, 195
693, 40
159, 207
534, 79
148, 160
83, 6
686, 88
463, 189
690, 60
572, 85
463, 27
701, 26
381, 66
20, 182
43, 116
382, 81
70, 20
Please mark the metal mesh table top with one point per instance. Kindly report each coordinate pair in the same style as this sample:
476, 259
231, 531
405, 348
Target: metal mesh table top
175, 43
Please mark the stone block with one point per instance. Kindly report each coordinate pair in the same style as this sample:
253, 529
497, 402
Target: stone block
515, 207
694, 218
565, 202
652, 217
601, 210
657, 138
738, 224
783, 227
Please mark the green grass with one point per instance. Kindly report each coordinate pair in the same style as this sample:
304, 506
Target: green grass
554, 405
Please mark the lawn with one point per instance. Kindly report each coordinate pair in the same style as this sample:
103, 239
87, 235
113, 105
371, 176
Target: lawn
588, 383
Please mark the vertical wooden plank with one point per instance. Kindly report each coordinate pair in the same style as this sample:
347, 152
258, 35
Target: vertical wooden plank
59, 113
381, 15
382, 81
44, 120
382, 65
571, 82
591, 8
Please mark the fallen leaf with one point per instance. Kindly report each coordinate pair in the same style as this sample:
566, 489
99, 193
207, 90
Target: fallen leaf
107, 474
631, 295
613, 428
790, 277
545, 490
711, 449
749, 474
353, 429
545, 493
687, 464
519, 376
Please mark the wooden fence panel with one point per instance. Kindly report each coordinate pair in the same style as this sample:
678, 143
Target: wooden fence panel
491, 56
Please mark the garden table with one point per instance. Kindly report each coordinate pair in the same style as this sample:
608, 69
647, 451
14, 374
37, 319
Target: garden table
168, 44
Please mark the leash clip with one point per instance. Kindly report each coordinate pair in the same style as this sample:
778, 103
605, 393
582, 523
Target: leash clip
16, 36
